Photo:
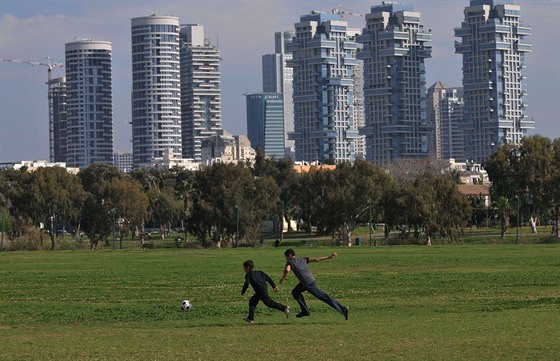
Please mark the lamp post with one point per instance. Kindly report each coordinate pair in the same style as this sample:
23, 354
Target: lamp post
113, 223
2, 230
237, 228
369, 222
518, 206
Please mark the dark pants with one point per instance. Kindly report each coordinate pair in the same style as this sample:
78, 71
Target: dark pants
297, 292
265, 298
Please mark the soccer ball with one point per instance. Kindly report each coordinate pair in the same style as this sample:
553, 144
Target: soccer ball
186, 305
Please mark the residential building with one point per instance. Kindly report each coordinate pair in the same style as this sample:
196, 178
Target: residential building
445, 112
57, 127
123, 161
156, 89
278, 78
394, 51
493, 47
324, 61
226, 148
201, 106
265, 123
89, 103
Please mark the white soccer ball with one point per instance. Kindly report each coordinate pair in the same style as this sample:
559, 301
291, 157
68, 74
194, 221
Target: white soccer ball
186, 305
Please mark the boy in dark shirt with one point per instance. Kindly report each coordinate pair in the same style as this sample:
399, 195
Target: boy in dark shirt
307, 282
258, 280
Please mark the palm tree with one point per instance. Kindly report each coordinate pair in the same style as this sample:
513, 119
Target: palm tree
503, 207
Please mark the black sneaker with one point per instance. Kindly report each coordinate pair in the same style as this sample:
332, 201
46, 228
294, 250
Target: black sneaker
248, 320
302, 314
345, 312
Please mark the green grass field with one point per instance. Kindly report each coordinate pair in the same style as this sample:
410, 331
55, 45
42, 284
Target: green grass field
455, 302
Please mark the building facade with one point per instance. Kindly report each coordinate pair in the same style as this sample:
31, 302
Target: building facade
201, 104
57, 127
445, 112
156, 89
493, 48
278, 78
265, 123
394, 50
324, 58
89, 103
123, 161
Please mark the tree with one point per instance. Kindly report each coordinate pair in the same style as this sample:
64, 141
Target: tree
230, 204
503, 207
53, 195
130, 205
431, 204
100, 208
341, 197
527, 172
282, 171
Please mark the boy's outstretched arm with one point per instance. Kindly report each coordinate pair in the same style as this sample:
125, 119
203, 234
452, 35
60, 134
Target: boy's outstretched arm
319, 259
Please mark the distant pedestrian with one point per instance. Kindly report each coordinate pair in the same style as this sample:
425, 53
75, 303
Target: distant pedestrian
258, 280
307, 283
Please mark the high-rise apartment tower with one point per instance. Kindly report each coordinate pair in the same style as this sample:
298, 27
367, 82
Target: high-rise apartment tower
156, 90
89, 103
394, 84
57, 137
324, 58
493, 47
201, 103
445, 112
278, 78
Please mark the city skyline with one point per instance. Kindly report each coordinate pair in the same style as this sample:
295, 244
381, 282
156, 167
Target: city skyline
37, 29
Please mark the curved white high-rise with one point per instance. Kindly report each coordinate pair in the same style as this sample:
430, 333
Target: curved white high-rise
156, 89
89, 103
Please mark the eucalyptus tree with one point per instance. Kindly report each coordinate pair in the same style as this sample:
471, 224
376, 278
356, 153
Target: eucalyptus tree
130, 205
343, 197
283, 173
52, 196
230, 204
100, 207
525, 173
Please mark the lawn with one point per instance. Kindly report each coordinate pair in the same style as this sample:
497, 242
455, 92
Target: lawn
453, 302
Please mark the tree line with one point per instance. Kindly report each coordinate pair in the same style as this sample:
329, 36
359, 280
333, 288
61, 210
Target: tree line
226, 204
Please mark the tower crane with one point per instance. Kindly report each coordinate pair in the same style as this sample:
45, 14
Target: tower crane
50, 65
340, 10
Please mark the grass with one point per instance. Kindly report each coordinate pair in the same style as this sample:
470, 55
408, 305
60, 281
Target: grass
461, 302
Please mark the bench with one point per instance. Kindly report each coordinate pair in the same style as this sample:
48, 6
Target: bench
147, 245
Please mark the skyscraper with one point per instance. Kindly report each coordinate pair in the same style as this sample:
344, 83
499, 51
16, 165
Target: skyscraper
493, 48
89, 103
278, 78
57, 129
265, 123
445, 112
394, 84
324, 58
201, 103
156, 89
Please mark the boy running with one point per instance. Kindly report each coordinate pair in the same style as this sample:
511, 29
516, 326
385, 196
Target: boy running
307, 283
258, 280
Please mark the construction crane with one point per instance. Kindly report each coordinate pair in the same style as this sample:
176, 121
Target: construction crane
50, 65
340, 10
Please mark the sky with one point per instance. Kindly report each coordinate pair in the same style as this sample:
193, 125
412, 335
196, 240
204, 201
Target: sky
244, 31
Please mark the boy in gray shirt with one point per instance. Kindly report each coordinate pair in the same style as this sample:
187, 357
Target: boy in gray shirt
307, 282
